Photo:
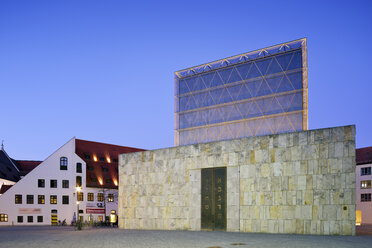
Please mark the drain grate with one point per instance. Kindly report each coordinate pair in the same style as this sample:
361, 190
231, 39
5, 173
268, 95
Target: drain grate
238, 244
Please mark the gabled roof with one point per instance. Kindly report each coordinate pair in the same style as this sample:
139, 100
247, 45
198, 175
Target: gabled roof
363, 155
25, 166
102, 162
4, 188
8, 171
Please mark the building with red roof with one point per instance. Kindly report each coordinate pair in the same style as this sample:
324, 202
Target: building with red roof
77, 181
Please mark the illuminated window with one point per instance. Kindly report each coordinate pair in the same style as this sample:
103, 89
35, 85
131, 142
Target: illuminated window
100, 197
100, 218
80, 196
63, 163
78, 181
3, 218
41, 199
90, 197
30, 199
65, 184
65, 199
53, 199
110, 198
365, 184
365, 197
53, 183
365, 171
18, 199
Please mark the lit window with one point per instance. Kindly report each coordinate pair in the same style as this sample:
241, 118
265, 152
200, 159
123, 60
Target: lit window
365, 184
90, 197
100, 218
63, 163
100, 197
65, 184
80, 196
3, 218
110, 198
41, 199
30, 199
78, 181
18, 199
365, 171
53, 183
365, 197
53, 199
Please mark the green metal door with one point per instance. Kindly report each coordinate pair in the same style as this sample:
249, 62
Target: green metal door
213, 209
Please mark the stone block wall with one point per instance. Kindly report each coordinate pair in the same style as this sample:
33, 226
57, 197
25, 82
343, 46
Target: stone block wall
302, 182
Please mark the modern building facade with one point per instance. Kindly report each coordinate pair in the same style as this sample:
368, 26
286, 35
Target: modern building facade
79, 180
363, 186
251, 94
298, 182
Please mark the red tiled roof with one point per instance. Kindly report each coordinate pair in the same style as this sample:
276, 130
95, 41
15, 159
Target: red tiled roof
102, 162
25, 166
4, 188
363, 155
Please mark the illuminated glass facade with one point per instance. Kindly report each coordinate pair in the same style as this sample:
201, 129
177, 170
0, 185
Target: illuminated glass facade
255, 93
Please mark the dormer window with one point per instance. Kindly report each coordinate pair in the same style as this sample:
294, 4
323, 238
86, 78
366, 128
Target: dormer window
63, 163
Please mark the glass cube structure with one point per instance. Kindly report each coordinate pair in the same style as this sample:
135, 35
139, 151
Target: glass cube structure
256, 93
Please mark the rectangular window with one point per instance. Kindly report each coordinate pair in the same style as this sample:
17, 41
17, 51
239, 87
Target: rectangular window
41, 183
3, 218
365, 171
63, 163
365, 184
365, 197
100, 197
20, 219
18, 199
90, 197
80, 196
30, 219
78, 168
78, 181
53, 183
30, 199
110, 197
41, 199
65, 199
65, 184
100, 218
53, 199
40, 219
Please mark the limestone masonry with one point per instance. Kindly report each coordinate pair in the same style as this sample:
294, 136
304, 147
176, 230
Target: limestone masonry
301, 182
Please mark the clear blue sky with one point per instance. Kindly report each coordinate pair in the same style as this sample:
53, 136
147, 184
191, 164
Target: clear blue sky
104, 70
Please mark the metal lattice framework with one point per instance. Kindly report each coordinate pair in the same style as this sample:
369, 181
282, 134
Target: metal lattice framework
255, 93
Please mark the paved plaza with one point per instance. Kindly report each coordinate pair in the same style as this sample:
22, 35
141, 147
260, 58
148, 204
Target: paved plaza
65, 237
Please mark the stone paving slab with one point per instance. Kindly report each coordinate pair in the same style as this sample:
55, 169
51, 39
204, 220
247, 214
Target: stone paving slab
65, 237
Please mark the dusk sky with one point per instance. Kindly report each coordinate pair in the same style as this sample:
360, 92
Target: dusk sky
104, 70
